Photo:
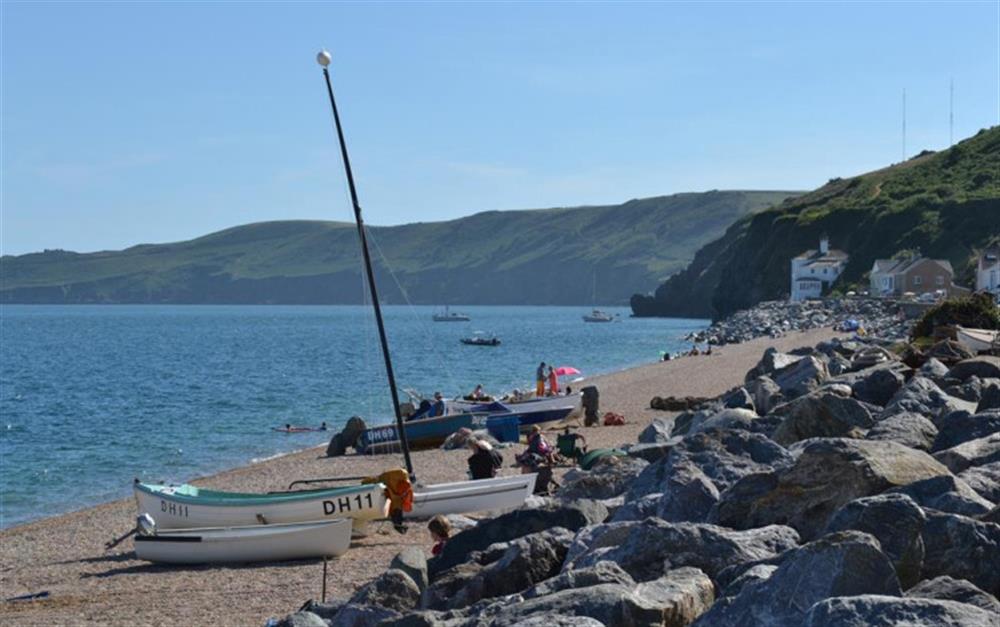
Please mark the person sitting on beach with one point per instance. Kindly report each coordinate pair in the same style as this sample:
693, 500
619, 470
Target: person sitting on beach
571, 444
440, 530
485, 461
537, 445
694, 350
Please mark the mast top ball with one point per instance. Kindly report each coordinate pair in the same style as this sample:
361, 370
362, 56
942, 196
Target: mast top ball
323, 58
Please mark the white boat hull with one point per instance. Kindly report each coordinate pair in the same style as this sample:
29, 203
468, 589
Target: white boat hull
466, 497
172, 510
460, 406
977, 339
257, 543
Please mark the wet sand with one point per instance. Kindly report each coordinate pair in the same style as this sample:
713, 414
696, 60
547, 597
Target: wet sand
65, 555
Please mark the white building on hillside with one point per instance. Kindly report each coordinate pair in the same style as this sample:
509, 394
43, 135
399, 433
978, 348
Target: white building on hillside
814, 270
988, 271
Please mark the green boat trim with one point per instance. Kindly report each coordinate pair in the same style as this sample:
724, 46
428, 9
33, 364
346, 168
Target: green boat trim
193, 495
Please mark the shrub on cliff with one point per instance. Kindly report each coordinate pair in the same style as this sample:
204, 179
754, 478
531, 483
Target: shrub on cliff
977, 311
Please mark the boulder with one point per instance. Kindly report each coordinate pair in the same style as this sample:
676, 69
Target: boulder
961, 426
949, 352
984, 367
801, 377
412, 561
933, 369
301, 619
352, 615
990, 398
652, 452
973, 453
327, 609
827, 474
525, 562
675, 599
878, 387
823, 414
739, 398
600, 573
653, 546
992, 516
657, 431
770, 362
741, 419
757, 573
596, 538
869, 609
638, 509
608, 478
546, 620
688, 494
985, 480
573, 516
896, 521
947, 588
946, 493
839, 564
765, 393
922, 396
393, 589
906, 428
962, 547
684, 422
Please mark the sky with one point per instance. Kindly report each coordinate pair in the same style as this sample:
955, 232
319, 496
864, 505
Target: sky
127, 123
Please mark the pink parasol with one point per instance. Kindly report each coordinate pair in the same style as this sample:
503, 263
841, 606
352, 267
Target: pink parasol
562, 371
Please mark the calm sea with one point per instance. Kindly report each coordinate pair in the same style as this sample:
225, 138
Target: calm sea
92, 396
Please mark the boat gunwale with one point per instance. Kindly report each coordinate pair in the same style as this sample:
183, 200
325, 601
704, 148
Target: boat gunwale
238, 499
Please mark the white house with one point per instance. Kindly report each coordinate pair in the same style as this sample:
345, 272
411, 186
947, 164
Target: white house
988, 272
814, 270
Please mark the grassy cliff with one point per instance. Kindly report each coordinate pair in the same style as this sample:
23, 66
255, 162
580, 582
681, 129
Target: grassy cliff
549, 256
945, 204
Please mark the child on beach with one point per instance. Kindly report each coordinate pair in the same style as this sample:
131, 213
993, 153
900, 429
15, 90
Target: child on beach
440, 530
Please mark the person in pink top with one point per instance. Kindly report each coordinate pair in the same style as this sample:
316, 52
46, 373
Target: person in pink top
553, 382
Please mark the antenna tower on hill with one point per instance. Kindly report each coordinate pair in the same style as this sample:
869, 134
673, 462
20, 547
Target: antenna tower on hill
951, 113
904, 124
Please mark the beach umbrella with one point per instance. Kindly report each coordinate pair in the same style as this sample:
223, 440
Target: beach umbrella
562, 371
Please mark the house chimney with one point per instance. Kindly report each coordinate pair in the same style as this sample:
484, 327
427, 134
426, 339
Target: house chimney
824, 245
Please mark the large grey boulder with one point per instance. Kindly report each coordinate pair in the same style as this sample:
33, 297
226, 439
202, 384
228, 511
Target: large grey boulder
871, 610
962, 547
596, 538
652, 452
961, 426
906, 428
654, 546
802, 377
688, 493
757, 573
738, 398
879, 386
506, 527
673, 600
354, 615
600, 573
896, 522
984, 367
608, 478
840, 564
393, 589
547, 620
525, 562
985, 480
638, 509
740, 419
770, 362
827, 474
990, 398
972, 453
947, 588
934, 370
946, 493
657, 431
723, 456
823, 414
922, 396
412, 561
301, 619
765, 393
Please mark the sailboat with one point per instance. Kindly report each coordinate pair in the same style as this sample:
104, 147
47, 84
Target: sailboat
597, 315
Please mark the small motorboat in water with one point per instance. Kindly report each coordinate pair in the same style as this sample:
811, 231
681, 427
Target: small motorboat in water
480, 339
254, 543
598, 316
448, 316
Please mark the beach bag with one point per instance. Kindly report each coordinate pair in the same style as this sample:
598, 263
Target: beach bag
612, 419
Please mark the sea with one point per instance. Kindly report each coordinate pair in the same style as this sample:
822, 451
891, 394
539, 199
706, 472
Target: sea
94, 396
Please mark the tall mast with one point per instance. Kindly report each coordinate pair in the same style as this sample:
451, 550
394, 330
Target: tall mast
323, 58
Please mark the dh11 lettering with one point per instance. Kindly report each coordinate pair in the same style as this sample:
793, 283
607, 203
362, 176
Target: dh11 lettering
343, 504
174, 509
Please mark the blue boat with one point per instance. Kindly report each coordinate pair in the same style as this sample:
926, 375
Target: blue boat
428, 432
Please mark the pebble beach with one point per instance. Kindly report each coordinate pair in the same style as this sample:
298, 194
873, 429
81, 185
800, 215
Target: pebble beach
65, 555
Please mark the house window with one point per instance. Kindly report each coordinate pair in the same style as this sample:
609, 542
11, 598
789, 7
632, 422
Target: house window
824, 270
939, 280
917, 280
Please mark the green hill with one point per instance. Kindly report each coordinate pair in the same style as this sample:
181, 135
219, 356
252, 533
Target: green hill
945, 204
550, 256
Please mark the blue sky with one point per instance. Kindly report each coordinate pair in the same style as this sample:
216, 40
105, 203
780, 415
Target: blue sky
125, 123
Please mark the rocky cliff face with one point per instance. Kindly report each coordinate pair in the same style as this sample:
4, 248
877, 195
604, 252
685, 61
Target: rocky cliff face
945, 204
